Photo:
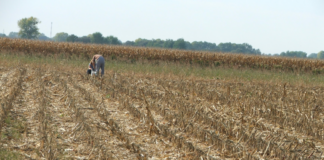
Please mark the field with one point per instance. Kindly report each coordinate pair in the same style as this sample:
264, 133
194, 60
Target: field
156, 104
58, 112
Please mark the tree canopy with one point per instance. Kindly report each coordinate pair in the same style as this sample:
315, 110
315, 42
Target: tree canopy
312, 55
60, 37
112, 40
320, 55
179, 44
204, 46
96, 38
129, 43
84, 39
13, 35
72, 38
168, 43
297, 54
196, 45
43, 37
28, 28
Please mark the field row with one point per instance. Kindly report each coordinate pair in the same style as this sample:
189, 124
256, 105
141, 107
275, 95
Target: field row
270, 118
56, 113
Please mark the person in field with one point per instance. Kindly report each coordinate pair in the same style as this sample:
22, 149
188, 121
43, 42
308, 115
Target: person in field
97, 62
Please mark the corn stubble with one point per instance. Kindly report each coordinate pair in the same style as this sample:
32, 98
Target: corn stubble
66, 114
69, 115
72, 50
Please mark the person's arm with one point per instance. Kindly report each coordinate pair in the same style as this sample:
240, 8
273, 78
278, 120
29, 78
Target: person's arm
90, 66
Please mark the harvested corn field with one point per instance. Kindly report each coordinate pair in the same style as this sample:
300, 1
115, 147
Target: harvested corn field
57, 113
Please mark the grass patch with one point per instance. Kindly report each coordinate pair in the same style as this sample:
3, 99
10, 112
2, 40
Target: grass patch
6, 154
171, 68
14, 128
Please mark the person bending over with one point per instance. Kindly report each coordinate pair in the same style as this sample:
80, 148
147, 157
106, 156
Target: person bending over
97, 62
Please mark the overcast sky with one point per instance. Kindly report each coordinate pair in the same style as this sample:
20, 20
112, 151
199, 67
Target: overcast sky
272, 26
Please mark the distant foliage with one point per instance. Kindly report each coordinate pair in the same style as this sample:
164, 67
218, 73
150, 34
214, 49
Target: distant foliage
84, 39
238, 48
129, 43
43, 37
141, 42
312, 55
28, 28
72, 38
96, 38
196, 45
179, 44
297, 54
112, 40
155, 43
320, 55
13, 35
60, 37
204, 46
168, 43
2, 35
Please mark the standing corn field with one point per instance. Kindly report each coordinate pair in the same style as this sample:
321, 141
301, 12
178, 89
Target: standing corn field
68, 50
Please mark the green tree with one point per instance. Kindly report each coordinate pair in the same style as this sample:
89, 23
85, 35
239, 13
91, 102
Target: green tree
298, 54
2, 35
97, 38
141, 42
188, 45
129, 43
204, 46
112, 40
72, 38
168, 43
225, 47
237, 48
320, 55
43, 37
312, 55
179, 44
60, 37
84, 39
157, 43
28, 28
13, 35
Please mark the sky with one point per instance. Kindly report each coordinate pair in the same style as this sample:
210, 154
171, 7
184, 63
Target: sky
273, 26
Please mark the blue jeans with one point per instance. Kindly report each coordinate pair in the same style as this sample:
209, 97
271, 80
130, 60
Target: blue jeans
100, 64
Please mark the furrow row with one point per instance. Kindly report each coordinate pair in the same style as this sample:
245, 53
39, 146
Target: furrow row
218, 121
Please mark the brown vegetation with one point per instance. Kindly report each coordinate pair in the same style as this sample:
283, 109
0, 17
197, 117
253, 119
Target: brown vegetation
57, 113
136, 53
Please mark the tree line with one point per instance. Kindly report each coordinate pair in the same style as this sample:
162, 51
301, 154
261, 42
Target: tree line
98, 38
180, 43
29, 30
